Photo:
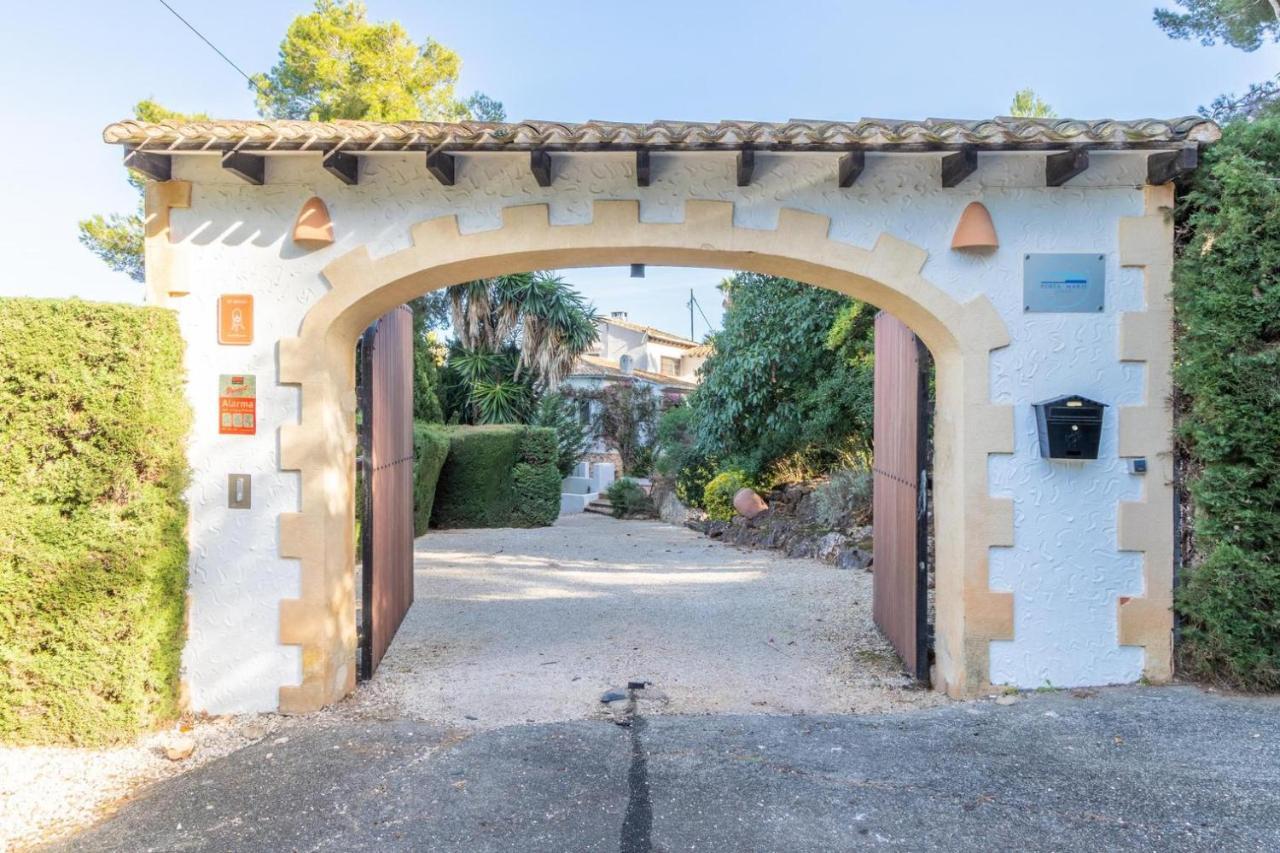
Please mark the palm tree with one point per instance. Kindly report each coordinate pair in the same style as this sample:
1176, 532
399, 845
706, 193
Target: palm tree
536, 317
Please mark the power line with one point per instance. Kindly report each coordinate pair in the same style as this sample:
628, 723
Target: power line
225, 58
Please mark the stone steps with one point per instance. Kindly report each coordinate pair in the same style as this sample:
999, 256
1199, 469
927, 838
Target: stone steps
600, 506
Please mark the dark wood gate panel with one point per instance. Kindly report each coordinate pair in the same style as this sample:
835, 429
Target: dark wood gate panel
386, 441
899, 505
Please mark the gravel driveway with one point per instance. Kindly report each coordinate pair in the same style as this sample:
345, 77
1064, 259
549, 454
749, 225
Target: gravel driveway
513, 626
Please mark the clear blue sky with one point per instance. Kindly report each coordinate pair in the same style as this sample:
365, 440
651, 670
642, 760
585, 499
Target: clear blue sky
73, 67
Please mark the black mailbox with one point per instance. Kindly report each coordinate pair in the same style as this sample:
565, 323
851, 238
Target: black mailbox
1069, 427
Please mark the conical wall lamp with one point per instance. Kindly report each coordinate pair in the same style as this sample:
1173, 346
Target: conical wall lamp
314, 228
975, 229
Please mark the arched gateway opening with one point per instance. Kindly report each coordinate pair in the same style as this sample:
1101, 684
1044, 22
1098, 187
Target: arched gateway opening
1047, 569
322, 445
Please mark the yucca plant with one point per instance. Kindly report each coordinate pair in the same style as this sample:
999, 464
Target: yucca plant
500, 401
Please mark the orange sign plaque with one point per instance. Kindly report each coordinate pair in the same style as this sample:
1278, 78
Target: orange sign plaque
235, 319
237, 404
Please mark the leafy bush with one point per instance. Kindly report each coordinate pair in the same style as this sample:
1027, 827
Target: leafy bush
93, 553
498, 476
628, 419
718, 495
430, 447
677, 455
560, 413
1227, 301
642, 463
628, 499
536, 479
474, 489
790, 372
845, 499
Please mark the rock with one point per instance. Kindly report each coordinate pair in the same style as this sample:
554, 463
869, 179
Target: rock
748, 504
1007, 700
852, 557
254, 731
614, 695
829, 546
179, 748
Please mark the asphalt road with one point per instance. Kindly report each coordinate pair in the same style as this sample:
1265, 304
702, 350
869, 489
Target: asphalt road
1125, 769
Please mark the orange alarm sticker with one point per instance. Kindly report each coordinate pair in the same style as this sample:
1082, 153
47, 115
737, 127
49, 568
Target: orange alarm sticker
237, 404
235, 319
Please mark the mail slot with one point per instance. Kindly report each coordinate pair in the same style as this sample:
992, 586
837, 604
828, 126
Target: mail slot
1069, 427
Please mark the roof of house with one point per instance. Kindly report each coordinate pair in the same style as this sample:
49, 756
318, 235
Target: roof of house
594, 365
1000, 133
655, 334
700, 350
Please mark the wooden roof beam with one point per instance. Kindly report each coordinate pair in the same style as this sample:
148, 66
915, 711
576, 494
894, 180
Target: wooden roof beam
343, 166
1166, 166
1062, 166
642, 167
246, 167
540, 165
851, 165
959, 165
746, 166
157, 167
443, 166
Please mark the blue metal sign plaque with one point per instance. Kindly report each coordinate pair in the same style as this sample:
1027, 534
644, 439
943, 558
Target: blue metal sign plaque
1064, 283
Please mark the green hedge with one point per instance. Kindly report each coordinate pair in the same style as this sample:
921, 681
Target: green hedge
430, 447
93, 557
1227, 299
498, 476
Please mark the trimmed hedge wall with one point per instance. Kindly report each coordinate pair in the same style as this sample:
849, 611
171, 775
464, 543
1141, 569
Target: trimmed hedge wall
430, 447
93, 555
498, 476
1227, 299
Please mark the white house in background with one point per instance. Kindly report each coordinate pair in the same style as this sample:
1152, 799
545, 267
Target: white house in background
665, 363
624, 349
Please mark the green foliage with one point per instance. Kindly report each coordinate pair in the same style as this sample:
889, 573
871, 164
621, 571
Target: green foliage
628, 499
426, 369
337, 64
560, 414
678, 455
430, 447
93, 557
498, 476
719, 492
515, 336
627, 421
1246, 24
1227, 301
536, 479
790, 374
1027, 104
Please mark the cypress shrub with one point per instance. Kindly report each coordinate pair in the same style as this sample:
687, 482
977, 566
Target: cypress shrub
1227, 302
536, 479
430, 447
93, 555
500, 475
474, 489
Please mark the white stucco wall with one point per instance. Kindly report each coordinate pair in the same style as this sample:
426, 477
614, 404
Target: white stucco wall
1064, 569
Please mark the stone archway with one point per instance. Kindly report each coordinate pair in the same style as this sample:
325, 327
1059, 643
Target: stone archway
321, 447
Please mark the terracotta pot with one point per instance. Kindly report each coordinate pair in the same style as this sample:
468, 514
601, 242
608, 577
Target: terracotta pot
748, 503
975, 229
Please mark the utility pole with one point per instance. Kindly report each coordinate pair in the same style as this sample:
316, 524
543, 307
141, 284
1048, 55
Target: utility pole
691, 337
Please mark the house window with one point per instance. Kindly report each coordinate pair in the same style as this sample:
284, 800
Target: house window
670, 366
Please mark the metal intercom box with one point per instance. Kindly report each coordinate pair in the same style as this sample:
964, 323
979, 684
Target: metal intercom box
1069, 427
1064, 283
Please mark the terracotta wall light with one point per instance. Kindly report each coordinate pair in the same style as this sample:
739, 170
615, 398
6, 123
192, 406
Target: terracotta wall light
975, 229
314, 228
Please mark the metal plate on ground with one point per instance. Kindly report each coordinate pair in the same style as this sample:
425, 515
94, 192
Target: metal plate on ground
1064, 283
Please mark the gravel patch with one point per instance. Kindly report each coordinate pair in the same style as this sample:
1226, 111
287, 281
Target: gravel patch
516, 626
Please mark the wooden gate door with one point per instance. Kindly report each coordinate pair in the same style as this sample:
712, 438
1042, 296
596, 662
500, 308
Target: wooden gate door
899, 498
386, 444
